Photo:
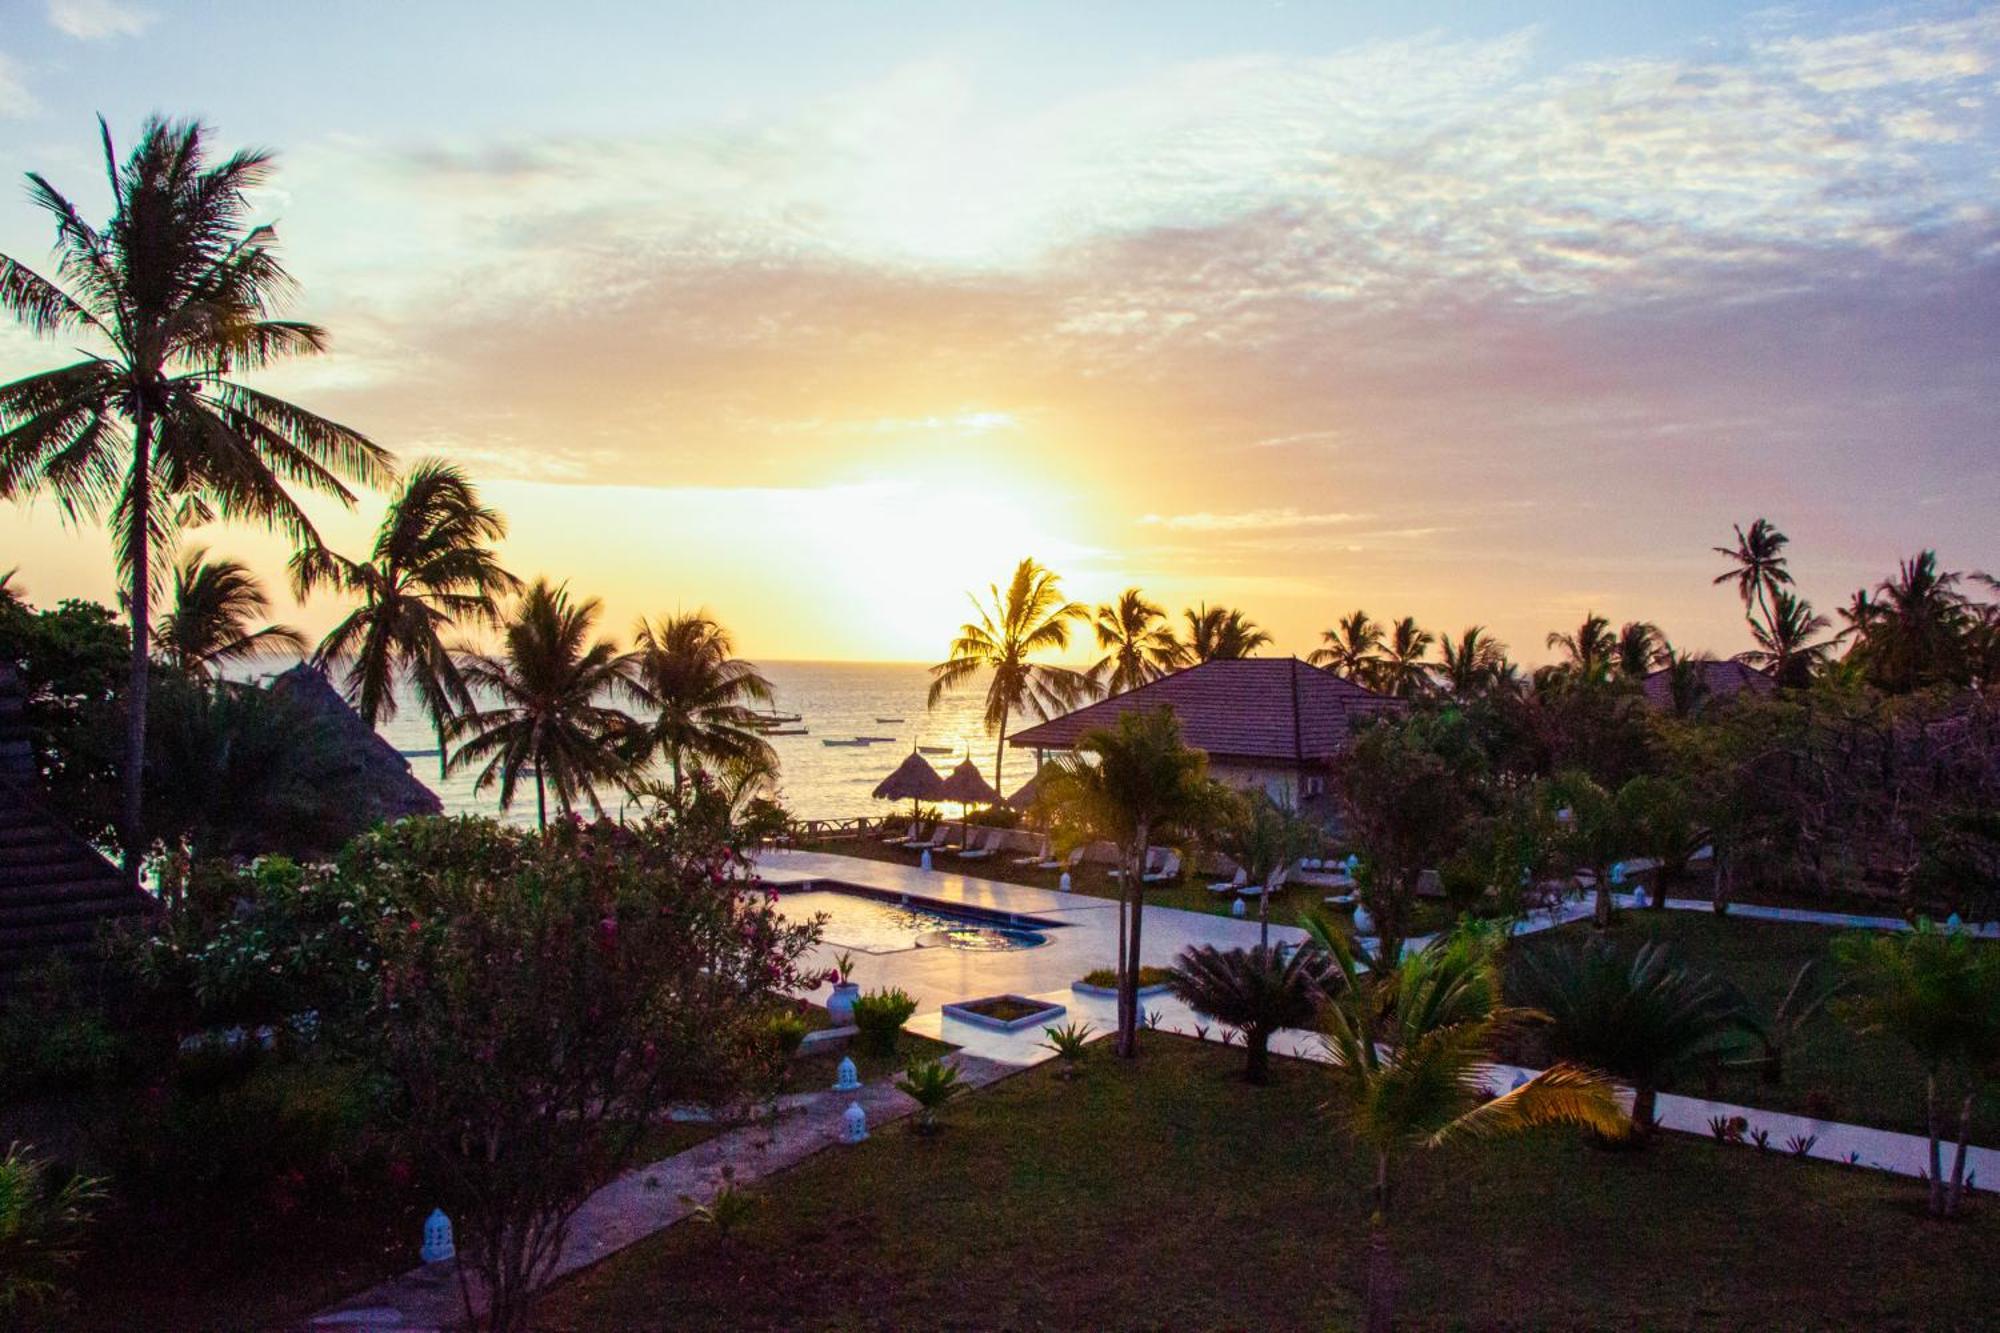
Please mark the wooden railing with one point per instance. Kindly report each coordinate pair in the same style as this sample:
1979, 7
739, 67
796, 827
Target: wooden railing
833, 830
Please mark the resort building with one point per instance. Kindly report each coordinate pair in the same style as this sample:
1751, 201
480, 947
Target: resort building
1715, 681
1266, 722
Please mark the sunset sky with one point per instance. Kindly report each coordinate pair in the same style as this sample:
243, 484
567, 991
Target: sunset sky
818, 315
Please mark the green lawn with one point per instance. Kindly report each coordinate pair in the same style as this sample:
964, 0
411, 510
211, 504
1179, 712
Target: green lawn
1839, 1073
1169, 1194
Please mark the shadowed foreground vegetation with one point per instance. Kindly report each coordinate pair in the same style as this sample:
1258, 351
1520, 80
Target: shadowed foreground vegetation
1242, 1207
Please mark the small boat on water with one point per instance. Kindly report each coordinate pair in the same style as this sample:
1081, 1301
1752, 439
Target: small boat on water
876, 740
934, 749
888, 719
782, 731
417, 754
856, 741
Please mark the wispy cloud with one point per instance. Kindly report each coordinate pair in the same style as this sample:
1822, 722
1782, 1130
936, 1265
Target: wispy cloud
94, 20
1250, 520
15, 99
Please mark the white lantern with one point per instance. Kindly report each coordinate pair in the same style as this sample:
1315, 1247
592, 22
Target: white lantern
849, 1077
438, 1245
853, 1124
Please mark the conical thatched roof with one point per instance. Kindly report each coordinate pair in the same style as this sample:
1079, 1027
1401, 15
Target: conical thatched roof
1025, 795
913, 780
390, 789
966, 786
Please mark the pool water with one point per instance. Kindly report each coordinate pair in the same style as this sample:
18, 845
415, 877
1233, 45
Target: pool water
874, 926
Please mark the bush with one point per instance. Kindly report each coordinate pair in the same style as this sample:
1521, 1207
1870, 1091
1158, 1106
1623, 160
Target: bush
788, 1029
880, 1015
995, 816
43, 1215
1105, 977
1256, 990
53, 1037
933, 1084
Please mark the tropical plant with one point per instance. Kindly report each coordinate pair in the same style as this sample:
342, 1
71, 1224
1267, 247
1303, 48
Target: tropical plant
150, 433
1640, 648
1758, 567
548, 720
1400, 669
694, 697
1644, 1016
1139, 645
1913, 634
1405, 808
1031, 617
1352, 649
432, 569
1661, 819
1071, 1043
43, 1218
1783, 1033
1257, 991
1408, 1041
1687, 681
1785, 647
1221, 634
931, 1084
726, 1209
880, 1015
1471, 663
1262, 837
1132, 785
1937, 991
1591, 831
1589, 651
207, 625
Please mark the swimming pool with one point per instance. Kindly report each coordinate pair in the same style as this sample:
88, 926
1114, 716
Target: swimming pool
860, 920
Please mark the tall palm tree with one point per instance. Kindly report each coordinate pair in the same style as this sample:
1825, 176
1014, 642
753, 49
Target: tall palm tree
1400, 669
549, 680
148, 432
1785, 645
1408, 1043
1139, 645
1640, 648
1031, 617
207, 625
1352, 648
1221, 634
1471, 662
432, 569
1758, 566
1914, 637
696, 696
1588, 652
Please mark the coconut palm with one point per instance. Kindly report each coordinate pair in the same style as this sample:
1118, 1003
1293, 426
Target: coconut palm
148, 432
1758, 566
1687, 681
1592, 830
1352, 649
1257, 991
695, 696
1134, 785
1642, 1015
207, 624
1408, 1043
1221, 634
1031, 617
1785, 646
1588, 652
549, 679
1262, 837
1139, 645
1640, 648
432, 568
1470, 663
1913, 636
1400, 669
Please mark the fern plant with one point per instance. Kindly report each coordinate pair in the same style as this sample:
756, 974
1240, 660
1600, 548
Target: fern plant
42, 1222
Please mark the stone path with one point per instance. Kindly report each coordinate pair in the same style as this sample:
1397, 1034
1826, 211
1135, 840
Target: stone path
648, 1199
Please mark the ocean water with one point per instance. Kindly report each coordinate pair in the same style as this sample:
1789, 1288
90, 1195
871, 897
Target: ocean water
836, 700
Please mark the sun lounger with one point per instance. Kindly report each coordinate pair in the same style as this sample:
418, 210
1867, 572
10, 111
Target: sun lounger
904, 834
1070, 862
1170, 869
920, 837
1037, 856
1271, 885
981, 845
939, 841
1231, 885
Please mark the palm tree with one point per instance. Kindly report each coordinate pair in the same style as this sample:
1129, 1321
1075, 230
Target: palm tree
1643, 1017
208, 625
1589, 652
1351, 648
696, 695
1757, 563
1641, 647
1592, 830
149, 433
1400, 670
1262, 836
548, 721
1257, 991
1914, 635
1030, 617
1139, 644
1408, 1042
1472, 662
432, 568
1133, 785
1687, 681
1785, 646
1221, 634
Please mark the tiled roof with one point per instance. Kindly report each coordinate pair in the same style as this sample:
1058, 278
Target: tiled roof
1722, 679
1256, 708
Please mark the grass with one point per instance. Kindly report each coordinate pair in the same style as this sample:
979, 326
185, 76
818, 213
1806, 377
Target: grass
810, 1073
1839, 1073
1170, 1194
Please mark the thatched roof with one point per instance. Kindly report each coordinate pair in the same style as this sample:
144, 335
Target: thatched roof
913, 780
1024, 796
967, 786
390, 789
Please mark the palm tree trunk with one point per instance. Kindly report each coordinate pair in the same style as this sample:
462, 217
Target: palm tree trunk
1128, 984
1264, 916
1937, 1157
1602, 913
138, 548
1381, 1301
1958, 1158
1000, 756
439, 723
1645, 1109
541, 801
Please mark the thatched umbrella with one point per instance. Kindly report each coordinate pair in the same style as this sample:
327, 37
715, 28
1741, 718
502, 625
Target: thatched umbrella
390, 790
966, 786
1024, 798
914, 780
